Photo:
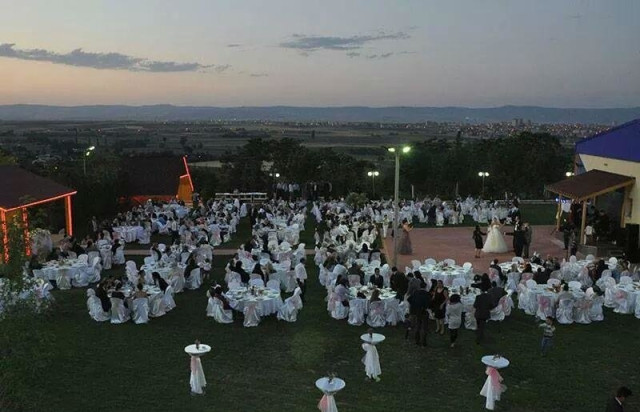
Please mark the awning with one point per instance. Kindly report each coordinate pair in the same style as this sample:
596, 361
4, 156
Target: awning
590, 184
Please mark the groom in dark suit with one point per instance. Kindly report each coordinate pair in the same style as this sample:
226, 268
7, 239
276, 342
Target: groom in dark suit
518, 237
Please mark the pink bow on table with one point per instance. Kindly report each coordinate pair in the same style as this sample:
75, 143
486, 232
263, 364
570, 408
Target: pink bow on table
495, 379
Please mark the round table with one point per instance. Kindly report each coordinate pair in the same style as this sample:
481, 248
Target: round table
329, 387
268, 301
197, 379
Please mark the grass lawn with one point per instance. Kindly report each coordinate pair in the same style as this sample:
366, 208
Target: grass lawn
66, 362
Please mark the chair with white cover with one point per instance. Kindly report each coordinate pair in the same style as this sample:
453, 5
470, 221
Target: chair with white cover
392, 312
95, 307
622, 299
354, 281
503, 309
467, 266
167, 299
564, 313
517, 259
118, 256
575, 285
177, 282
194, 281
274, 285
513, 278
637, 311
375, 315
545, 306
609, 287
145, 237
94, 270
157, 306
429, 262
595, 312
553, 282
107, 258
357, 310
148, 260
625, 280
215, 310
416, 264
234, 284
582, 310
290, 283
449, 262
470, 321
91, 255
80, 279
256, 282
385, 271
83, 259
289, 310
140, 311
251, 314
119, 313
590, 258
63, 279
338, 309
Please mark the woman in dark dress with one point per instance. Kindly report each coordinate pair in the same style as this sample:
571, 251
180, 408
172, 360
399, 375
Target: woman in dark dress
477, 238
405, 240
439, 305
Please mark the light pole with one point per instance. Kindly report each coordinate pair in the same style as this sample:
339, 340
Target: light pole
483, 175
84, 159
275, 177
372, 174
396, 151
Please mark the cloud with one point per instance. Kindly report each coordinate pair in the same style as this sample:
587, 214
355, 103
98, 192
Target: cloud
309, 44
104, 61
353, 54
259, 74
234, 45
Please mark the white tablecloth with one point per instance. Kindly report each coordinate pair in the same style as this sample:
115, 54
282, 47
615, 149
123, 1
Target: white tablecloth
71, 267
129, 233
268, 301
445, 274
164, 271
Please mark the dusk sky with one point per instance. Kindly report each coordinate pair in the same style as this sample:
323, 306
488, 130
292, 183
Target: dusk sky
321, 53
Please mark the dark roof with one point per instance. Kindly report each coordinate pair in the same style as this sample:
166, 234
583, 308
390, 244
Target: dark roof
622, 142
152, 176
21, 188
590, 184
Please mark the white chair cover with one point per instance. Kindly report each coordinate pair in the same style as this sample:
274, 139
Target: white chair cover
234, 285
338, 311
63, 279
582, 310
107, 258
371, 360
357, 310
289, 311
470, 321
621, 298
459, 283
625, 280
177, 282
194, 281
256, 282
595, 312
95, 307
167, 299
553, 282
637, 311
498, 313
354, 280
545, 306
392, 311
564, 313
375, 315
609, 290
157, 306
140, 310
119, 313
118, 256
274, 285
251, 314
215, 309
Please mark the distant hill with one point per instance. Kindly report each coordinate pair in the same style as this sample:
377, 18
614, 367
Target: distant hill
337, 114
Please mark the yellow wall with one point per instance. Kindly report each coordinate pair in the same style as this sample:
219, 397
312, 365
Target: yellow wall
621, 167
184, 190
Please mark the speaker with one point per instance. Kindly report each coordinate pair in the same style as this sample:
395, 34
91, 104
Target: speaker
633, 237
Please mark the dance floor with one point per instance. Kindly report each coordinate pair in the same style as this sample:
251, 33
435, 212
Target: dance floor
456, 243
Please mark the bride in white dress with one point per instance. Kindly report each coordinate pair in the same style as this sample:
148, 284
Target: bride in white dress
495, 241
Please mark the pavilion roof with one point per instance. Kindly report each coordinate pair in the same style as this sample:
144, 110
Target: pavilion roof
21, 188
590, 184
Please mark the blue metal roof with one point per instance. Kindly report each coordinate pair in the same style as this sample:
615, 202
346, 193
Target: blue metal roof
621, 142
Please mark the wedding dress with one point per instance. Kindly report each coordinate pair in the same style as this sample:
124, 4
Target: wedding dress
495, 241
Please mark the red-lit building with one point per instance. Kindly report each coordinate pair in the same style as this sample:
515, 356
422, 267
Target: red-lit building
20, 190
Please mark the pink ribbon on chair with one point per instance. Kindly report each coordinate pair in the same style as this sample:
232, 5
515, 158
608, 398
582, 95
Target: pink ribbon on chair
543, 303
495, 379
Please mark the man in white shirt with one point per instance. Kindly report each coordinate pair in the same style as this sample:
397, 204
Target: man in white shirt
301, 277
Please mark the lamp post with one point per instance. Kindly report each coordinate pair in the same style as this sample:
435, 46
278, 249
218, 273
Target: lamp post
396, 151
483, 175
373, 174
84, 159
275, 176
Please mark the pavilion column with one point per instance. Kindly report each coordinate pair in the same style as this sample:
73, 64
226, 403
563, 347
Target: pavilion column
625, 202
583, 222
5, 236
559, 213
68, 219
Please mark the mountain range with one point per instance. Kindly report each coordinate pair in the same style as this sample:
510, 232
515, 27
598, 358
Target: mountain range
397, 114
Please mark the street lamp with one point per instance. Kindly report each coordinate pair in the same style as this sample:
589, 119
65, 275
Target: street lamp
373, 174
84, 158
569, 174
396, 151
483, 175
275, 176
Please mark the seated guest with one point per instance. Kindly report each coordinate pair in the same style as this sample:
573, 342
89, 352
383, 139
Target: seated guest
118, 294
217, 293
101, 293
565, 294
375, 296
34, 263
140, 293
541, 277
91, 247
485, 283
159, 281
496, 293
377, 279
244, 276
141, 277
342, 292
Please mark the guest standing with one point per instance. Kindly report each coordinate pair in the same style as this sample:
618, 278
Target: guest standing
454, 317
477, 239
482, 306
